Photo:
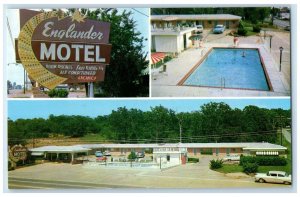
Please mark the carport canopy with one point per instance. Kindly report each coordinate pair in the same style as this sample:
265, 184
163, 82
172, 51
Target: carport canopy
58, 149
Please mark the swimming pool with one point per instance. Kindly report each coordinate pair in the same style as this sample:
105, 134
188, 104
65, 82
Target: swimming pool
240, 68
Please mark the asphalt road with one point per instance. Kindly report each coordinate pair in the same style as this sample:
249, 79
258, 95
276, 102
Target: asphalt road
23, 183
287, 134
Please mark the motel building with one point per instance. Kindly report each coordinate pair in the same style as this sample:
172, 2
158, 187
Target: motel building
173, 153
171, 33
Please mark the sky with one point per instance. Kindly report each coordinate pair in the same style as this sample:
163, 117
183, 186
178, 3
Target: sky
93, 108
15, 73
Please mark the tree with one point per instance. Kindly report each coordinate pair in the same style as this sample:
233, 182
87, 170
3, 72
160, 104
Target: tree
123, 76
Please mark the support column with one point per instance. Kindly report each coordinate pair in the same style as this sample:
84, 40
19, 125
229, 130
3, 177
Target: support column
72, 158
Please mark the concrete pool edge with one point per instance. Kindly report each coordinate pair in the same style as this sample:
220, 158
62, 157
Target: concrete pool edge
268, 81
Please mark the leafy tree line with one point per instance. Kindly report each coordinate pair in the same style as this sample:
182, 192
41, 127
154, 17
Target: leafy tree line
213, 122
253, 14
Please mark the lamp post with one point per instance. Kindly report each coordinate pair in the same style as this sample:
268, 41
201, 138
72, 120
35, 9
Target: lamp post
271, 42
280, 49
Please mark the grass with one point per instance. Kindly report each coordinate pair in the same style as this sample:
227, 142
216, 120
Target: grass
93, 137
250, 31
230, 168
264, 169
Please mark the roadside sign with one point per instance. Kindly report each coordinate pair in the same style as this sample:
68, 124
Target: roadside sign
55, 49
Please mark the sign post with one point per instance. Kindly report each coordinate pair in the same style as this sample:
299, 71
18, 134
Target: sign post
55, 49
18, 153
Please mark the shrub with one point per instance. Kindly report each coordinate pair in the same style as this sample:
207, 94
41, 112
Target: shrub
206, 152
256, 28
241, 29
250, 167
264, 160
193, 160
58, 93
215, 164
167, 58
10, 166
149, 151
132, 156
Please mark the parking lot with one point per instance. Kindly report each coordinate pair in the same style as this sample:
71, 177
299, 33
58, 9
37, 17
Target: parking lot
61, 175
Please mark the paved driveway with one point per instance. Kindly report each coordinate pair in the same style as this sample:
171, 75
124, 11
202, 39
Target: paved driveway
51, 175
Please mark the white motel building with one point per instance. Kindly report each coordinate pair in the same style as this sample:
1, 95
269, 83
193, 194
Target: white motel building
175, 153
171, 33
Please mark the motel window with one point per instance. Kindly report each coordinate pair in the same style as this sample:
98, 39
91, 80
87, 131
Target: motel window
195, 151
209, 22
233, 150
227, 151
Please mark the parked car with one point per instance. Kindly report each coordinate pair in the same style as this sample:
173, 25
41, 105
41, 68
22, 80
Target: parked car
140, 154
287, 28
107, 153
199, 28
219, 29
101, 159
98, 154
274, 177
233, 157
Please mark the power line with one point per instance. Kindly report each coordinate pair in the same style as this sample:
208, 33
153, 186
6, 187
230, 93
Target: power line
158, 139
140, 12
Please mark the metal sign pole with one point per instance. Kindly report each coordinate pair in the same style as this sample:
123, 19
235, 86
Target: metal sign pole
91, 90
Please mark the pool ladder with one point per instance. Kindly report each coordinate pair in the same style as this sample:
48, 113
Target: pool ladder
222, 82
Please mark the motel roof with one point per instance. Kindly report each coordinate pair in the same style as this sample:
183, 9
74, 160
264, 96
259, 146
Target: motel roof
87, 147
249, 146
61, 149
196, 17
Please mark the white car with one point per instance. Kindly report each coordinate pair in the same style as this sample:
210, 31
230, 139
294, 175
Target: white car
274, 177
233, 157
199, 28
107, 153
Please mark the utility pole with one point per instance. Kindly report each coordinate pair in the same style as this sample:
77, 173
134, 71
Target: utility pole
180, 130
281, 126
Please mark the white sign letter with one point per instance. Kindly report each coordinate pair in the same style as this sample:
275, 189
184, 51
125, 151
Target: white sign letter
59, 50
47, 52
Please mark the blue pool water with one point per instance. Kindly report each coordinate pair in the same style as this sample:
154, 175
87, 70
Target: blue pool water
228, 68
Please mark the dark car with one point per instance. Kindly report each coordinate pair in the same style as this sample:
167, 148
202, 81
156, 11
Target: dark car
287, 28
140, 155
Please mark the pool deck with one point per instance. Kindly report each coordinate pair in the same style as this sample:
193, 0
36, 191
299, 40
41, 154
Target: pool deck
165, 84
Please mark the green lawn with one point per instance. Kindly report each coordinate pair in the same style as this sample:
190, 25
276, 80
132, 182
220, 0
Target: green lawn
230, 168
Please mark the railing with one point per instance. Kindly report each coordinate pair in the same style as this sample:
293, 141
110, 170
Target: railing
137, 165
165, 149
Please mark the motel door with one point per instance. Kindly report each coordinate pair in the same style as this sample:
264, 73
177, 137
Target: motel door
183, 159
227, 24
184, 41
